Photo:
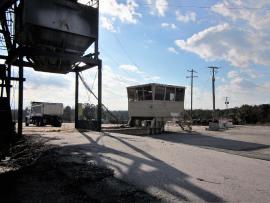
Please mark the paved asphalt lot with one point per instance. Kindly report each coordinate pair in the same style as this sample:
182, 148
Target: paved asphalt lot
199, 166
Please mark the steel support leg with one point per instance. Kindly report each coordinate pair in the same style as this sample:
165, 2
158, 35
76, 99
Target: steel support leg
76, 97
8, 82
20, 103
99, 112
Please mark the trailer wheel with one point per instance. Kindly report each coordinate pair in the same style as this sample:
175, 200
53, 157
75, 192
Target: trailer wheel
38, 123
42, 122
26, 122
57, 123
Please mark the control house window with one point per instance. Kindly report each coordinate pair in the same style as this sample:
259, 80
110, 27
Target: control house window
131, 94
159, 93
170, 94
180, 93
148, 92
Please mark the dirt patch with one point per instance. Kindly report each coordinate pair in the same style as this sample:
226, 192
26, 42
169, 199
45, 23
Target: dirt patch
23, 152
35, 172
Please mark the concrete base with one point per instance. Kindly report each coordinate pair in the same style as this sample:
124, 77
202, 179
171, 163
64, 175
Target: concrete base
213, 127
134, 131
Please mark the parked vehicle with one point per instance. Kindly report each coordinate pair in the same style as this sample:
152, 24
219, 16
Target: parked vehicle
44, 113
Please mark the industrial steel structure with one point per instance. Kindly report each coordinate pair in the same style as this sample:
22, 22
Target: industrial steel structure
50, 36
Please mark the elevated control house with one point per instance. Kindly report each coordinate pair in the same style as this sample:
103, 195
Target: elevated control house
152, 105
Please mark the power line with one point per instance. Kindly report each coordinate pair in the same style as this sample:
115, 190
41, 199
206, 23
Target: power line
110, 56
192, 76
208, 7
124, 50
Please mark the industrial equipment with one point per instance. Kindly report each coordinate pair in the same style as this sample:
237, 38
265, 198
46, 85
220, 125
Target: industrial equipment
55, 36
55, 33
44, 113
152, 105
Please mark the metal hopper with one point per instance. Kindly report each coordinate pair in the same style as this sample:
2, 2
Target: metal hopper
56, 33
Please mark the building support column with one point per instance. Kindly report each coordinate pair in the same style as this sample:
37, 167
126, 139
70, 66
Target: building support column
99, 111
76, 98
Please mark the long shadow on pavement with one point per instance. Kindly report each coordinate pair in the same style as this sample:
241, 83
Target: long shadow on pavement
130, 165
205, 141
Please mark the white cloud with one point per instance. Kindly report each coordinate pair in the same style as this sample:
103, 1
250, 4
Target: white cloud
185, 18
114, 89
161, 6
107, 23
60, 88
151, 78
256, 18
203, 43
253, 73
158, 6
125, 12
240, 48
243, 90
240, 90
172, 50
130, 68
168, 25
148, 43
142, 75
232, 74
243, 41
48, 87
248, 73
114, 81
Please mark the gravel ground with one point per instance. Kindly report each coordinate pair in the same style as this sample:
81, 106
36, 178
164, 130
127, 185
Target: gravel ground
33, 171
199, 166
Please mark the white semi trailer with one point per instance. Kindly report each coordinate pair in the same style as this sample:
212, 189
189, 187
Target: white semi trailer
44, 113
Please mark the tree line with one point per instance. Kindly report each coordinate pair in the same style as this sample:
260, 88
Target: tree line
246, 114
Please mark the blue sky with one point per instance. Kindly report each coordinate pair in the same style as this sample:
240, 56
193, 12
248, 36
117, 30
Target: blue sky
143, 41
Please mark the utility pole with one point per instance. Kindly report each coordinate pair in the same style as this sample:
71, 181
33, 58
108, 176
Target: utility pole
214, 69
191, 86
227, 102
227, 105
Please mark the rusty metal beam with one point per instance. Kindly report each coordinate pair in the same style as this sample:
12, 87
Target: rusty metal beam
5, 31
5, 4
17, 63
14, 54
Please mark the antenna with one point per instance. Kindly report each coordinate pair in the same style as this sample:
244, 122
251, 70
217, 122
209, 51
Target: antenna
191, 86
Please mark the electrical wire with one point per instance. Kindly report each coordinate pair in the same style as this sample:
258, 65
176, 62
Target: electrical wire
206, 7
110, 56
124, 50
